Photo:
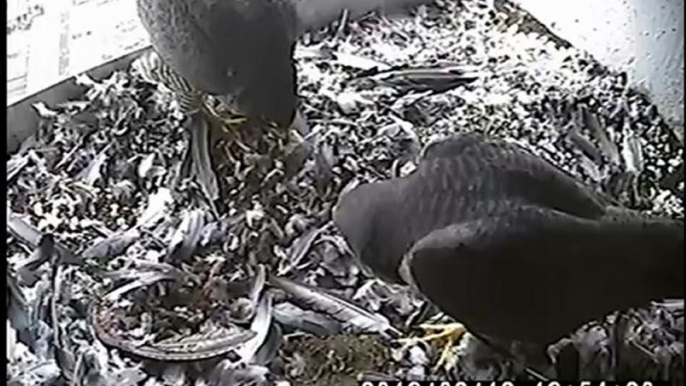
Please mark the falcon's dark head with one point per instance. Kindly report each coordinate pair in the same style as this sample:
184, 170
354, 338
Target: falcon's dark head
354, 217
272, 94
375, 235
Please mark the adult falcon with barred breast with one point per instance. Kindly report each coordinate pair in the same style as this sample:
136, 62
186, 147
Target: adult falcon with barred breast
239, 52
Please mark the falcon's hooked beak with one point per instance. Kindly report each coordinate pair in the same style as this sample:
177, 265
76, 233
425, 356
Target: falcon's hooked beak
299, 124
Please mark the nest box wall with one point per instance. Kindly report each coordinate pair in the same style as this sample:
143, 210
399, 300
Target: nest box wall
645, 38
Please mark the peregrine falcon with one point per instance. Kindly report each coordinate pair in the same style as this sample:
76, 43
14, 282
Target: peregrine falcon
239, 52
508, 244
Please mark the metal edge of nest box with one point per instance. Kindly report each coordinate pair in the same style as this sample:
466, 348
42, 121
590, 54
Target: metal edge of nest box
22, 119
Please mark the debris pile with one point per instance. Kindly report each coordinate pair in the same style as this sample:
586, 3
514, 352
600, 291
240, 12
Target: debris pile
118, 273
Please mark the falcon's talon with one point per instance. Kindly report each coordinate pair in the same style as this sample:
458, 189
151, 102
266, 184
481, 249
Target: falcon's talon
227, 123
227, 120
449, 334
447, 359
239, 143
444, 326
233, 121
243, 146
227, 126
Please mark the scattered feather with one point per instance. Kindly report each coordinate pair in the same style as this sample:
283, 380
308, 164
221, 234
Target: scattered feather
107, 174
297, 319
342, 310
112, 246
260, 325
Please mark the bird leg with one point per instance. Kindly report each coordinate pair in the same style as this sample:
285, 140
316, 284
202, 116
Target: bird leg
231, 122
199, 152
295, 143
446, 335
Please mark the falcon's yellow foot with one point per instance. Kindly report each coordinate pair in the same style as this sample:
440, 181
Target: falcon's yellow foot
230, 122
442, 334
227, 120
229, 126
230, 132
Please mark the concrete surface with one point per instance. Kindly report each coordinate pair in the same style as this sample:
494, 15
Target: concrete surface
642, 37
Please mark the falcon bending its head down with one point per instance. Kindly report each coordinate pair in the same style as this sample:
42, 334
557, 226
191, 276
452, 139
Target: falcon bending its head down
237, 51
509, 244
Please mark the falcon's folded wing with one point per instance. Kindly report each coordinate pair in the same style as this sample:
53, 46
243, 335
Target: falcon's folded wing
536, 274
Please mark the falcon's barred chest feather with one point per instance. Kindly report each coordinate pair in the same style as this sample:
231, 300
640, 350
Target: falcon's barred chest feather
239, 51
151, 68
